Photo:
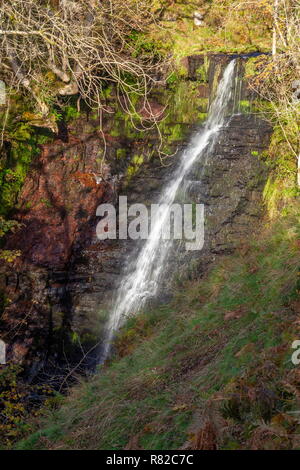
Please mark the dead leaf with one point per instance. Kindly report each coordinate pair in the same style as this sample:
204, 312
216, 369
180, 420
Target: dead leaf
245, 350
182, 407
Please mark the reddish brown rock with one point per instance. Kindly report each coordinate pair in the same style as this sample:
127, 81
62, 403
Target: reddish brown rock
203, 91
151, 111
59, 196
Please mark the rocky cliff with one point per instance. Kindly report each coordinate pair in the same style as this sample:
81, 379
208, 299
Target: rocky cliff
59, 291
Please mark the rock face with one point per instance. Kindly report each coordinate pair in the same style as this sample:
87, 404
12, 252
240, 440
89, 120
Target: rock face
57, 209
230, 187
61, 288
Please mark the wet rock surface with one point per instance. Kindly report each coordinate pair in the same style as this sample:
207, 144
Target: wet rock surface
61, 288
230, 186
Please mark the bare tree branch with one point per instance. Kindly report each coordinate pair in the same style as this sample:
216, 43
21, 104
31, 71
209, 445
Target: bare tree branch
85, 44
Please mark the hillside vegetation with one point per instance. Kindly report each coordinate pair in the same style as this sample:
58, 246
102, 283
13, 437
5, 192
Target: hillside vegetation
210, 370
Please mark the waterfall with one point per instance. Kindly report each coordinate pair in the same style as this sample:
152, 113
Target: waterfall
143, 279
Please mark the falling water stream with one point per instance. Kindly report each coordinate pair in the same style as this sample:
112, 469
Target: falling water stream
143, 279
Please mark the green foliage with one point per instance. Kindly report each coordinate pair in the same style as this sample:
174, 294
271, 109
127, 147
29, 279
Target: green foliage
22, 145
173, 78
115, 133
273, 78
24, 142
202, 72
21, 132
16, 404
120, 153
284, 161
70, 112
9, 255
228, 26
252, 67
133, 168
137, 160
8, 225
143, 46
57, 116
46, 202
245, 106
176, 133
185, 107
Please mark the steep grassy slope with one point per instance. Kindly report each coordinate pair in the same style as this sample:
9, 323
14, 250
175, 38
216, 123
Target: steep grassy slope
210, 370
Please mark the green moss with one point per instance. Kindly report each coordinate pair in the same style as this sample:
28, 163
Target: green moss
202, 117
202, 72
131, 171
173, 78
24, 147
133, 168
23, 141
202, 104
143, 45
107, 92
75, 337
95, 115
185, 107
130, 129
119, 114
176, 134
115, 133
121, 153
251, 67
137, 160
46, 202
244, 106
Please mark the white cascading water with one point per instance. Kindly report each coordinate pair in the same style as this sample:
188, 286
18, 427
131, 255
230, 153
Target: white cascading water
142, 282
